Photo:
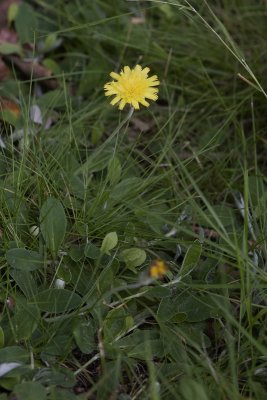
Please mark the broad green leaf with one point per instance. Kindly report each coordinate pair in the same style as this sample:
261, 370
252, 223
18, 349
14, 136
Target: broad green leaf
24, 260
61, 394
158, 292
114, 170
2, 338
25, 282
114, 324
91, 251
26, 23
197, 308
191, 389
25, 320
84, 335
191, 259
12, 12
53, 224
10, 48
56, 377
30, 391
13, 354
57, 300
126, 187
57, 346
76, 252
133, 257
109, 242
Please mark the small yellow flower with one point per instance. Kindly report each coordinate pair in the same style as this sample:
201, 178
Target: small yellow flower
158, 269
132, 86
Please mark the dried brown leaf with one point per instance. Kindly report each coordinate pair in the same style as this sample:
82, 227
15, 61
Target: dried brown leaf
35, 70
10, 106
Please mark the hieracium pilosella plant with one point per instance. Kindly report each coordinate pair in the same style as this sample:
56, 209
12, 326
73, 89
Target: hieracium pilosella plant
132, 86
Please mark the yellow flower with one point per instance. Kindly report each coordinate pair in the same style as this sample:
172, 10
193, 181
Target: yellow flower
132, 86
158, 269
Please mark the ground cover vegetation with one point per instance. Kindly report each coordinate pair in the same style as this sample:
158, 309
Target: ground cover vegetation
133, 244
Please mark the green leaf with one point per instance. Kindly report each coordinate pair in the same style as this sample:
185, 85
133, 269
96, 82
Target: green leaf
109, 242
197, 308
25, 320
126, 187
114, 324
133, 257
84, 335
51, 42
25, 282
57, 300
114, 170
13, 354
191, 259
57, 346
158, 292
2, 338
10, 48
12, 12
30, 391
91, 251
24, 260
191, 389
60, 394
26, 23
53, 224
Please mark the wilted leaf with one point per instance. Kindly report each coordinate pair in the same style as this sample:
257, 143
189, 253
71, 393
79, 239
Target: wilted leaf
9, 110
34, 70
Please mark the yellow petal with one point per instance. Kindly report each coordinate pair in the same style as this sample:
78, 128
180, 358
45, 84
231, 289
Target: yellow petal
146, 71
151, 96
144, 102
114, 75
115, 100
135, 104
122, 104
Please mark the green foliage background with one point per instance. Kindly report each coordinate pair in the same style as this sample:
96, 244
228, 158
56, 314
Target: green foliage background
183, 181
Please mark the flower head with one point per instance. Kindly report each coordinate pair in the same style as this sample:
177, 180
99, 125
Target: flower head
158, 269
132, 86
